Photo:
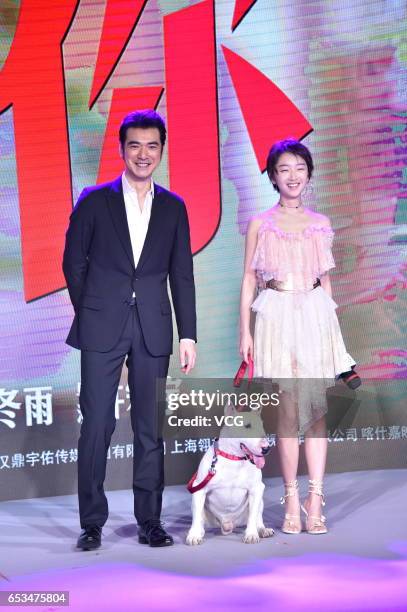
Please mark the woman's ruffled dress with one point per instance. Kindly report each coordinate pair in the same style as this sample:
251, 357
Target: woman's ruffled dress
297, 333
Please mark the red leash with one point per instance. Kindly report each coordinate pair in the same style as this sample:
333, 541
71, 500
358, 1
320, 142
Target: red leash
237, 381
193, 489
212, 471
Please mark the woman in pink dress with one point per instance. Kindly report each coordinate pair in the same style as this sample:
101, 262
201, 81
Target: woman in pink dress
297, 338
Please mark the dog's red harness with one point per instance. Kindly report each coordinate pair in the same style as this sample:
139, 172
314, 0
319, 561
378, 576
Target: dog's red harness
212, 471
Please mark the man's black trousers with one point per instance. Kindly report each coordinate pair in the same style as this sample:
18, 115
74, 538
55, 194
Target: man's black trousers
100, 377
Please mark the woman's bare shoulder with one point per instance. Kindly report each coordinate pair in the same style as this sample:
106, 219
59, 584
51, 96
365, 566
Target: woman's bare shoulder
318, 219
256, 221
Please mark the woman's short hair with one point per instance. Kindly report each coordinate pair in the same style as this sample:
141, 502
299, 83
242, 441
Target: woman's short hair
289, 145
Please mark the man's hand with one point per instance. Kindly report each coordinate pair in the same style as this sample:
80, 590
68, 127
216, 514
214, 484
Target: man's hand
187, 355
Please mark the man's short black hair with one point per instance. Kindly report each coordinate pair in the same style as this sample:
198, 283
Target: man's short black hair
289, 145
144, 119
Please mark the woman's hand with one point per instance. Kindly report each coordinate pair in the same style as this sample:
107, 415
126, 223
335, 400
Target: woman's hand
246, 346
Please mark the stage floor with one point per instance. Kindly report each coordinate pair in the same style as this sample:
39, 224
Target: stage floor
361, 564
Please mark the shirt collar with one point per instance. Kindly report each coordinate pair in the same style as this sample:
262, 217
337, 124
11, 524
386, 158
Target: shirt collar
127, 188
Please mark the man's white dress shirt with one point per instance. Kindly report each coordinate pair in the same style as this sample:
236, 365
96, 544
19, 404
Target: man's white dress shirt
138, 219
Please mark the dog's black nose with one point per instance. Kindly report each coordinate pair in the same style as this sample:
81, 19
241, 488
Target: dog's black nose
265, 450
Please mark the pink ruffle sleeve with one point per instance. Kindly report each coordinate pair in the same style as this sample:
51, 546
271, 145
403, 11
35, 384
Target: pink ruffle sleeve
304, 255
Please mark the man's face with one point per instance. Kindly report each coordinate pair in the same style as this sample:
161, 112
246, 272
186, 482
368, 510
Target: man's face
141, 153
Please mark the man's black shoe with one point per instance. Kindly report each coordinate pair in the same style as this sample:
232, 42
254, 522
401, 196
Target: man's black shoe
153, 533
90, 538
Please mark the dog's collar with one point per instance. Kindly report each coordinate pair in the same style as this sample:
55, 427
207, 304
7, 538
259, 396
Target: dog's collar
212, 471
248, 453
222, 453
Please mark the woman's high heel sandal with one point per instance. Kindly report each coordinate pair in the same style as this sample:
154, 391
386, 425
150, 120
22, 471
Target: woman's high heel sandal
315, 525
292, 522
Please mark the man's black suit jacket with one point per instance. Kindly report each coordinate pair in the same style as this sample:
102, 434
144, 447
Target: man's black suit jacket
101, 276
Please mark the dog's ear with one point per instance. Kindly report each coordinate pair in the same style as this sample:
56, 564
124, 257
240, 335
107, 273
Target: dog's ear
229, 410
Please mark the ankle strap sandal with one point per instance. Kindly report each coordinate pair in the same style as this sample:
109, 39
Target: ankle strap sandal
315, 525
292, 522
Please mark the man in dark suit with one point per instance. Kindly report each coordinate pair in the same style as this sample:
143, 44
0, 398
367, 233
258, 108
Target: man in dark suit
125, 239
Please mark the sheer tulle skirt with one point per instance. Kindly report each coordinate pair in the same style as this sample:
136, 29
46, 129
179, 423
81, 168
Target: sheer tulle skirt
298, 343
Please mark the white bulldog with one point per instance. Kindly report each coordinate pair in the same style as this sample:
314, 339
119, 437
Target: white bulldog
233, 495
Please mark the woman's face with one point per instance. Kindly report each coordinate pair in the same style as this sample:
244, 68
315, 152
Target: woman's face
291, 175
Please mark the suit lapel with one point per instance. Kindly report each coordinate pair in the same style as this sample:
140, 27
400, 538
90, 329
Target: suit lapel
154, 226
117, 210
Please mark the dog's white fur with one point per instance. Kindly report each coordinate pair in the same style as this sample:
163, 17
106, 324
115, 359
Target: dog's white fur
234, 496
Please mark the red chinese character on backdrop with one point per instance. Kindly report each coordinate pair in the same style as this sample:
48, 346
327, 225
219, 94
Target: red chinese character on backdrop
32, 82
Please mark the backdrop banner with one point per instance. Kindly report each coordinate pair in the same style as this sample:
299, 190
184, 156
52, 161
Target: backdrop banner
230, 78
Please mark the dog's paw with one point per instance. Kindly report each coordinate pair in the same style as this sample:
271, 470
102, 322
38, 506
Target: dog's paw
251, 537
194, 538
266, 532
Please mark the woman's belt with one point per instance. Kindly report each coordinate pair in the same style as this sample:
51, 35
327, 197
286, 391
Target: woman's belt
279, 286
